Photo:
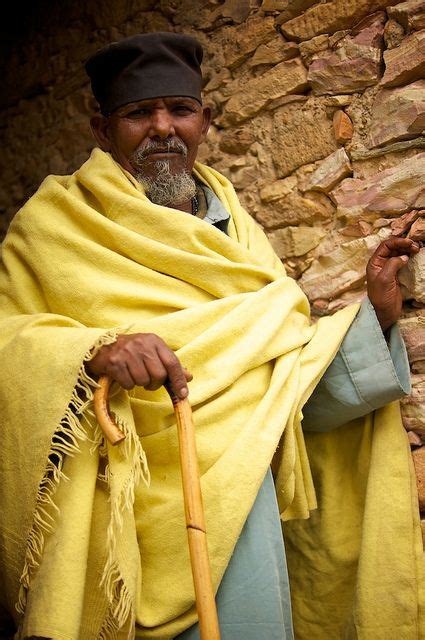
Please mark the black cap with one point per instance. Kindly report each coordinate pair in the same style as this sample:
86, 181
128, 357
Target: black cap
144, 66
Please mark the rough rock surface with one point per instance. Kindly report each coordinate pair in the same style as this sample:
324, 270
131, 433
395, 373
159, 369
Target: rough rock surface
412, 406
356, 62
389, 192
302, 135
417, 230
413, 332
419, 462
406, 62
410, 14
285, 78
398, 114
343, 127
238, 44
283, 205
330, 17
295, 241
330, 172
412, 278
275, 51
340, 270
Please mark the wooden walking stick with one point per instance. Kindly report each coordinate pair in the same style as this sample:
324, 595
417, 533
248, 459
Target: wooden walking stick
193, 506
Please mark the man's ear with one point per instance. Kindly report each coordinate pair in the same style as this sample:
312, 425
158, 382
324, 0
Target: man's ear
206, 112
100, 129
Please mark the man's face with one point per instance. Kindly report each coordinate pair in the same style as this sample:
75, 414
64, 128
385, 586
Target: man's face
140, 134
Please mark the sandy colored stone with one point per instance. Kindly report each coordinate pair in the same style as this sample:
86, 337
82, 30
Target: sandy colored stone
275, 51
301, 135
295, 241
343, 127
412, 278
393, 34
340, 270
390, 192
405, 63
310, 48
238, 10
419, 463
329, 172
414, 439
284, 206
403, 223
398, 114
289, 8
278, 189
238, 43
359, 229
417, 230
413, 332
410, 14
283, 79
354, 64
236, 141
330, 17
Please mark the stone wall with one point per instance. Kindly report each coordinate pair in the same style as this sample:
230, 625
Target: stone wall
319, 117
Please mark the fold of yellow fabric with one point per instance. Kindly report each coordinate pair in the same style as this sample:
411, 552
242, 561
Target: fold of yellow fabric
357, 565
88, 257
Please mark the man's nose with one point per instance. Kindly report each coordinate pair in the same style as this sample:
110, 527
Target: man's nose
161, 124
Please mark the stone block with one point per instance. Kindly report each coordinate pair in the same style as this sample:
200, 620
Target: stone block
301, 135
236, 141
390, 192
405, 63
295, 241
419, 463
417, 230
354, 64
329, 172
393, 34
309, 49
412, 278
275, 51
340, 270
403, 223
359, 229
343, 127
237, 10
289, 8
413, 332
240, 42
410, 14
398, 114
283, 205
331, 16
283, 79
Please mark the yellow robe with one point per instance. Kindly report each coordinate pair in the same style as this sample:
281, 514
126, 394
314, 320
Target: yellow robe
96, 542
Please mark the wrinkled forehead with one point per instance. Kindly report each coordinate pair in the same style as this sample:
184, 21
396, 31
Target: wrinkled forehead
157, 103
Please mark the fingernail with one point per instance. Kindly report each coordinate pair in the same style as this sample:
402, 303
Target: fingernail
183, 393
405, 258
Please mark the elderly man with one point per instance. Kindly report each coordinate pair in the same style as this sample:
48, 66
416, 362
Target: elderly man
143, 266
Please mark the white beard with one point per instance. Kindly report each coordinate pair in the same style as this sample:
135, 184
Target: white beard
167, 188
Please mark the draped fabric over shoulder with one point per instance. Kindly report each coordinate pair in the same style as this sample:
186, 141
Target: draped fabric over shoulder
102, 528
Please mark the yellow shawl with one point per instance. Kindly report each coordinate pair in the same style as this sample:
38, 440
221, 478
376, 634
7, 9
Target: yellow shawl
92, 538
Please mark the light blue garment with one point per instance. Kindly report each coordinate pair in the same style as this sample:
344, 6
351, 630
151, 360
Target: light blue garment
366, 373
253, 598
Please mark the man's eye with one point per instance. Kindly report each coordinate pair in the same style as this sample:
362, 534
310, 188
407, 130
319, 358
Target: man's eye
182, 108
137, 113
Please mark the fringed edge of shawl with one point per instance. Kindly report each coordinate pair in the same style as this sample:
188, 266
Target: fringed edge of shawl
66, 442
121, 601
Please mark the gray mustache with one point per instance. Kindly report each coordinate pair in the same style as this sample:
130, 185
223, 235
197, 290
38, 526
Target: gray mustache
170, 146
